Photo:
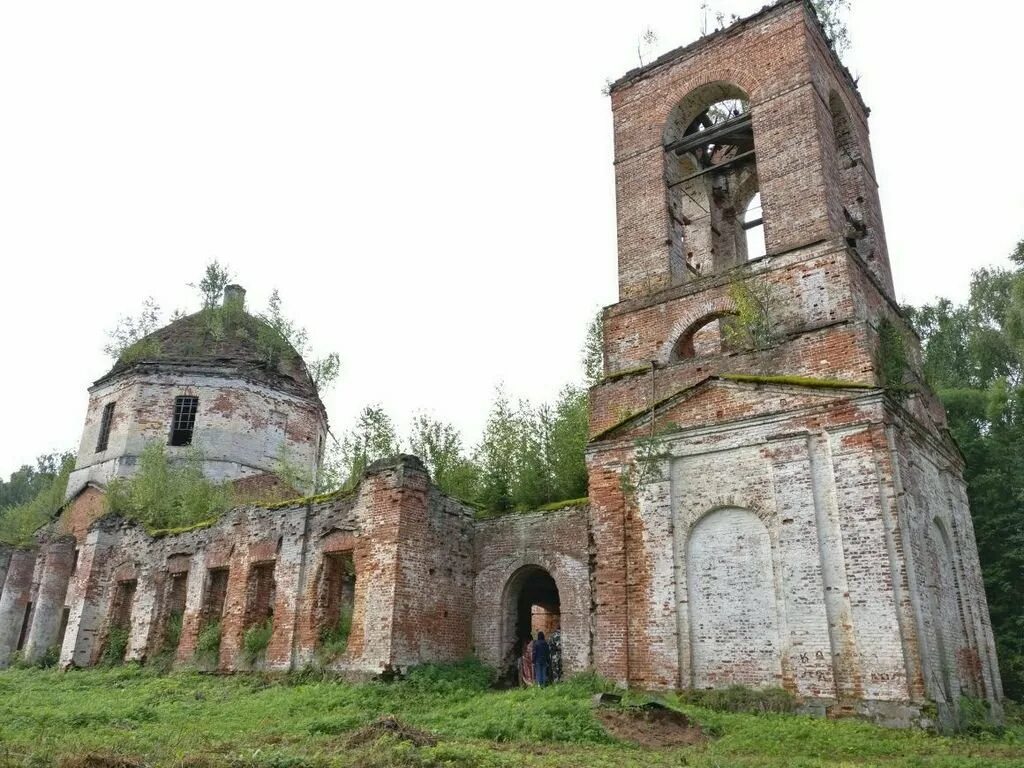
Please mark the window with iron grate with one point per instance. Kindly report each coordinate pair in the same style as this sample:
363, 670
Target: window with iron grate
183, 422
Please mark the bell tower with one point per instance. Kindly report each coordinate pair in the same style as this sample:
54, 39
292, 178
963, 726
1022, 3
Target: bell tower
773, 489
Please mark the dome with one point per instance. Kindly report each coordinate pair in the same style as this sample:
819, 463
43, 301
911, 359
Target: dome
221, 337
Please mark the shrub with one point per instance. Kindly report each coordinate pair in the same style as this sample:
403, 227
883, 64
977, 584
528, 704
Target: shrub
256, 640
975, 718
739, 698
115, 647
334, 640
208, 644
166, 495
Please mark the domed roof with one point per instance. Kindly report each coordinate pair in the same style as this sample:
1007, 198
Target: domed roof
221, 337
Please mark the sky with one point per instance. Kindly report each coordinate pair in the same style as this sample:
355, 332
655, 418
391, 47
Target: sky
428, 185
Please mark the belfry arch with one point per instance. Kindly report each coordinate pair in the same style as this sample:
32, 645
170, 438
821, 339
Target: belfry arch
710, 180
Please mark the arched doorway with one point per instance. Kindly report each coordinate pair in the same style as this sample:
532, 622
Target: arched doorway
531, 604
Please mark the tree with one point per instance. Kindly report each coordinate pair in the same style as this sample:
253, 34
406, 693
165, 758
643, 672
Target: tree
211, 287
496, 453
593, 351
280, 335
439, 445
568, 444
831, 14
27, 482
32, 498
372, 437
125, 337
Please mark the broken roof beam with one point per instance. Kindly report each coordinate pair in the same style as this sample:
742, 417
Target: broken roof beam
736, 130
715, 167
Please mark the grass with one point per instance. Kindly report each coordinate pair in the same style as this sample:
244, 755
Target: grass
131, 716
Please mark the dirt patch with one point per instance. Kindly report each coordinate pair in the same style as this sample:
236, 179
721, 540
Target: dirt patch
650, 725
390, 725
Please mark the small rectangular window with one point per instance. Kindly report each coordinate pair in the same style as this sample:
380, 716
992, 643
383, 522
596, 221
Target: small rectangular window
108, 416
184, 420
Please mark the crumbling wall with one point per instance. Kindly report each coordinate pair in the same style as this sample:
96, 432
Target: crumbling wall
243, 428
15, 603
410, 592
957, 649
558, 543
810, 481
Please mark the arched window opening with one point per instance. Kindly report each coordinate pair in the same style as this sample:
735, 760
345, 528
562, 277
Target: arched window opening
753, 226
708, 336
709, 167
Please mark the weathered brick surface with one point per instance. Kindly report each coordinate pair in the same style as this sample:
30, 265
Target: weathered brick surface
794, 533
243, 428
798, 526
508, 548
14, 602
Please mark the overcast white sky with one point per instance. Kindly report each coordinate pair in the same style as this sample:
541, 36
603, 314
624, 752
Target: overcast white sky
429, 185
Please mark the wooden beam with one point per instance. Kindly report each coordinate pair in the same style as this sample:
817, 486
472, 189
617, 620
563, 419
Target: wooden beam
723, 164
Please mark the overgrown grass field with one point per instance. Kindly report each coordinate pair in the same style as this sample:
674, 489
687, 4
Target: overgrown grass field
130, 716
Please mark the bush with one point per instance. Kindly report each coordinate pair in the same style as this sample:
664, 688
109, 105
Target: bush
167, 495
975, 718
334, 640
115, 647
256, 640
739, 698
208, 644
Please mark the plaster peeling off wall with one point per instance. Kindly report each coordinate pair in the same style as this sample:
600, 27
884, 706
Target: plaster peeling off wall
734, 625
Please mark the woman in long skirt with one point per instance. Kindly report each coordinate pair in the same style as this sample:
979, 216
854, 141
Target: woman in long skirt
526, 664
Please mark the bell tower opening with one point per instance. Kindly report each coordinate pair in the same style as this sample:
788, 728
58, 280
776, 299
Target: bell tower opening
711, 182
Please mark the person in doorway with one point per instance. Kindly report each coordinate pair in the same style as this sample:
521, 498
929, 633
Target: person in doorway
526, 663
555, 646
541, 659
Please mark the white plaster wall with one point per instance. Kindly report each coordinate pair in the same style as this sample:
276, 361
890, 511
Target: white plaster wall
734, 625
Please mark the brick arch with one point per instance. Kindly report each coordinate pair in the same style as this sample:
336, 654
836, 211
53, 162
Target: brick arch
494, 591
735, 622
692, 320
744, 80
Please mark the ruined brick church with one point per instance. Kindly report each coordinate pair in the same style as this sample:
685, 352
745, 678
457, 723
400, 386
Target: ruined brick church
765, 507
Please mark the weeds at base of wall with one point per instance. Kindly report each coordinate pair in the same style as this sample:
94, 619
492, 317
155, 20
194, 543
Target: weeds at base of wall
207, 654
115, 647
255, 641
976, 718
739, 698
49, 659
163, 661
334, 640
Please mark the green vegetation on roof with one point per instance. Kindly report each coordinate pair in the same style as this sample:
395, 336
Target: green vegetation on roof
161, 532
494, 514
616, 375
301, 501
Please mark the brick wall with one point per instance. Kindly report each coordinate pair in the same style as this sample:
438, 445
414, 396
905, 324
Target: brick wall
509, 548
243, 428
